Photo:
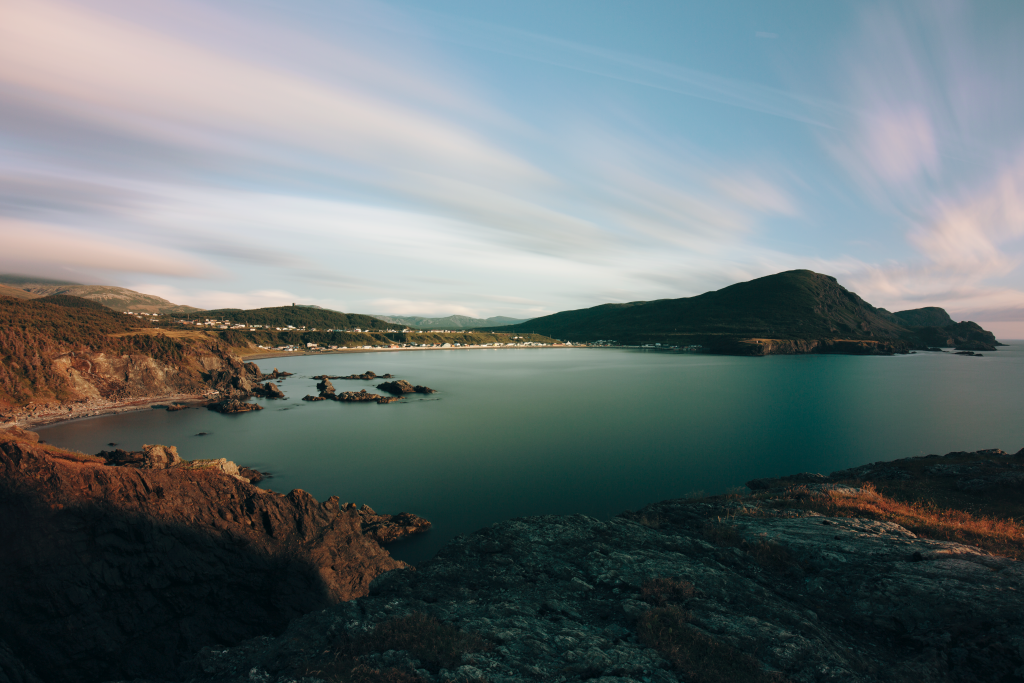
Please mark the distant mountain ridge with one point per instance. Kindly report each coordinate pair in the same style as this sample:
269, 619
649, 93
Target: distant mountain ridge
452, 322
797, 305
114, 298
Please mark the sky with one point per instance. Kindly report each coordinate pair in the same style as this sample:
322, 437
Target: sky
439, 157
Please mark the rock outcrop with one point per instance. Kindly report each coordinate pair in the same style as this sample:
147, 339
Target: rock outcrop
389, 528
402, 387
268, 390
561, 598
771, 347
149, 458
233, 405
118, 572
369, 374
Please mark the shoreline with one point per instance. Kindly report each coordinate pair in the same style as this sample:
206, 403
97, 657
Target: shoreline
293, 354
98, 408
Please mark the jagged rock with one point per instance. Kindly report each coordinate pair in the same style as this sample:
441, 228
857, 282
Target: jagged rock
116, 573
369, 374
307, 397
389, 399
402, 387
154, 457
389, 528
324, 386
254, 476
559, 596
361, 395
268, 390
233, 405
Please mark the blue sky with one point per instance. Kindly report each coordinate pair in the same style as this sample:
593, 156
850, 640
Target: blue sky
499, 158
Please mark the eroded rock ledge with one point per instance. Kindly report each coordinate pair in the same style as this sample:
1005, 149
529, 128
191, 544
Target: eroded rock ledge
558, 598
123, 568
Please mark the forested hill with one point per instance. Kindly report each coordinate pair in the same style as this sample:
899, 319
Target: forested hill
793, 305
298, 316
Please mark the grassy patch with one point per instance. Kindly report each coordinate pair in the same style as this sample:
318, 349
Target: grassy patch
924, 518
696, 655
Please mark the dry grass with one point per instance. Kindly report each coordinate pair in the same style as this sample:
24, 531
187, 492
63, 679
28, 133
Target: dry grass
168, 332
700, 658
21, 436
924, 518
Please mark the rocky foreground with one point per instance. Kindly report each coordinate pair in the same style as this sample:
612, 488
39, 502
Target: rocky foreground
125, 564
755, 588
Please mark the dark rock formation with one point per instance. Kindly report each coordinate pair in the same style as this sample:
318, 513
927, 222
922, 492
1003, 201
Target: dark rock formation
769, 347
149, 458
369, 374
324, 386
254, 476
361, 395
402, 387
558, 598
389, 528
307, 397
975, 471
176, 407
233, 405
268, 390
975, 346
116, 572
389, 399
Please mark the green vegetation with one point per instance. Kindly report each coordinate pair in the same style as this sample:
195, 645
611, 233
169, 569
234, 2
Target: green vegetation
34, 332
115, 298
929, 316
298, 316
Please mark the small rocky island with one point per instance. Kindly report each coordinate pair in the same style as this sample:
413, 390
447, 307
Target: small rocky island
398, 389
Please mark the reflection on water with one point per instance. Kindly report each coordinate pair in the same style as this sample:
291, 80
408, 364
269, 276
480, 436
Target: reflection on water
596, 431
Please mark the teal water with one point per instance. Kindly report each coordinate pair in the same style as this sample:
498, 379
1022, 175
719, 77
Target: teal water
552, 431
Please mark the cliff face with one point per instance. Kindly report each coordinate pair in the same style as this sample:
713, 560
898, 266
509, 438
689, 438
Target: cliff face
770, 347
59, 353
111, 571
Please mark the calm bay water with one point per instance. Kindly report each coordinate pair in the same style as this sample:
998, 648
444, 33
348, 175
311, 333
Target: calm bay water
554, 431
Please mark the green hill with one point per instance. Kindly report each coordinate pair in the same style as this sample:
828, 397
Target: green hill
115, 298
930, 316
298, 316
797, 304
452, 322
794, 305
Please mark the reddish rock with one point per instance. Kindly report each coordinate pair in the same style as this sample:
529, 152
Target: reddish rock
114, 572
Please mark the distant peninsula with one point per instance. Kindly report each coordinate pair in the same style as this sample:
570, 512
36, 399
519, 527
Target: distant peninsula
797, 311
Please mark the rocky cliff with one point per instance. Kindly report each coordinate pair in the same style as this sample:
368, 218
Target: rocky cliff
122, 570
756, 588
62, 359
